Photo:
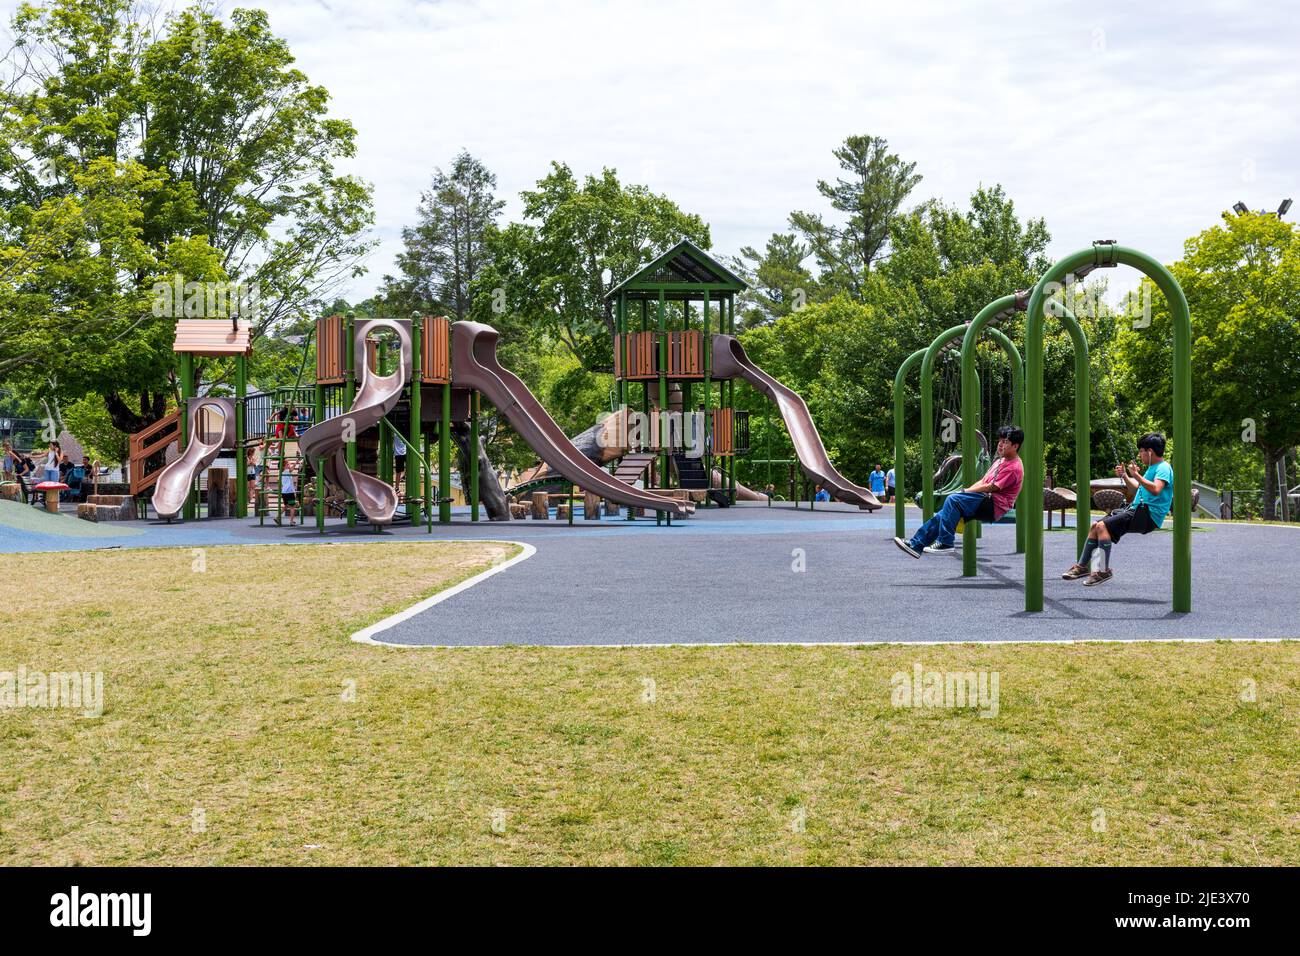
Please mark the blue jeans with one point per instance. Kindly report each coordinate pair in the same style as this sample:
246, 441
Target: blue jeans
943, 526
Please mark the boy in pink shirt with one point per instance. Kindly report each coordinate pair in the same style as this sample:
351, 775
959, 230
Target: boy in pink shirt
986, 500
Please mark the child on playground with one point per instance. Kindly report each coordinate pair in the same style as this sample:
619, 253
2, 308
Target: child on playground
889, 486
1155, 495
876, 481
987, 500
289, 492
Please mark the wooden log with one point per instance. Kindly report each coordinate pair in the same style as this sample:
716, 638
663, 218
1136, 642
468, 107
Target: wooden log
218, 493
611, 508
590, 506
561, 512
540, 509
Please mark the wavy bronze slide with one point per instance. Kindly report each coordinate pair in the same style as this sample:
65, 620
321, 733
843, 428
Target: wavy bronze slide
375, 398
730, 361
174, 481
475, 365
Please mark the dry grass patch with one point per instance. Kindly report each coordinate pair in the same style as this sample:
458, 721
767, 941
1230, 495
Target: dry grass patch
228, 704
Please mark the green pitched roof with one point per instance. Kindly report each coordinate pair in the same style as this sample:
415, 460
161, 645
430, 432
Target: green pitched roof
683, 272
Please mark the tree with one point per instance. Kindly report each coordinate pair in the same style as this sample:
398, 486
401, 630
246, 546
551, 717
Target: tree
1242, 282
778, 280
870, 198
444, 252
551, 272
199, 151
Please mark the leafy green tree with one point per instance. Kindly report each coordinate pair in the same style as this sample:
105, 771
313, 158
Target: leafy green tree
778, 280
877, 184
444, 251
551, 272
1242, 282
196, 151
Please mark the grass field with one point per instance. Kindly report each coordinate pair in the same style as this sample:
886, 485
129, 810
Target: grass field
240, 725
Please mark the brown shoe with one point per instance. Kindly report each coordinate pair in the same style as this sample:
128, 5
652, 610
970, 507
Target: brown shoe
1076, 571
1098, 577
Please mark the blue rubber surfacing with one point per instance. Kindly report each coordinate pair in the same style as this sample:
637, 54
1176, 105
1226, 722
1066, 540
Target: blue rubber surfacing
732, 576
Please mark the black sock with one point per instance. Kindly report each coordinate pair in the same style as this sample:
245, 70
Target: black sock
1105, 555
1088, 549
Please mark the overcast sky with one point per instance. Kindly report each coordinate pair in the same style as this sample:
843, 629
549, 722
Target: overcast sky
1139, 126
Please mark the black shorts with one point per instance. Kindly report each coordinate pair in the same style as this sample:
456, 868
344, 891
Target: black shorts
1131, 520
399, 462
289, 501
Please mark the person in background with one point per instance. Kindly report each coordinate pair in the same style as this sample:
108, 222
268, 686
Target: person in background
399, 461
18, 465
52, 457
889, 485
876, 481
250, 473
822, 494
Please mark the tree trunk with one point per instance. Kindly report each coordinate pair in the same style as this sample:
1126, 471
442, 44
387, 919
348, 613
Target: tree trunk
1271, 458
490, 495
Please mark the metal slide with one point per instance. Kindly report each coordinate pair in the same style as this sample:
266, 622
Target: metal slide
475, 365
374, 399
730, 361
174, 481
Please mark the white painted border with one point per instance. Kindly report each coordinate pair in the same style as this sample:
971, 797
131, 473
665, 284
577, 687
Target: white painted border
851, 644
367, 635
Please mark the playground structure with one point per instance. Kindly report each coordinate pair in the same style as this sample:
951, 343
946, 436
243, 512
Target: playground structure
674, 358
345, 426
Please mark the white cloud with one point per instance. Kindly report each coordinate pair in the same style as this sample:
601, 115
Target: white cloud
1138, 125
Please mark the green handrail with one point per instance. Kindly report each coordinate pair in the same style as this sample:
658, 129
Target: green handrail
411, 449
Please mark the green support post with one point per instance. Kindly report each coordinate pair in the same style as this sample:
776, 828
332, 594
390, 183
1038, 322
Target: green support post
444, 457
661, 424
899, 378
318, 416
970, 412
1106, 255
241, 427
413, 476
187, 392
708, 396
385, 446
349, 396
731, 404
423, 438
927, 418
620, 318
473, 456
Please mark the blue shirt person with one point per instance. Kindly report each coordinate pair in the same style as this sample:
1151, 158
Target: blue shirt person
1155, 495
1157, 504
877, 481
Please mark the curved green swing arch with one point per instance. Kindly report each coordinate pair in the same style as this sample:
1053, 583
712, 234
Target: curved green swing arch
1028, 504
926, 358
1079, 264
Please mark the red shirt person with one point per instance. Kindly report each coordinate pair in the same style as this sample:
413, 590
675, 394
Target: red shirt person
986, 500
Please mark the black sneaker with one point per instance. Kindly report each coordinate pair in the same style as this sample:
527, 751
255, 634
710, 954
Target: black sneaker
941, 549
907, 548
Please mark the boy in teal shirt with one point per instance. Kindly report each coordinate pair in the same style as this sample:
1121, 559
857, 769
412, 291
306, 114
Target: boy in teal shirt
1155, 495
